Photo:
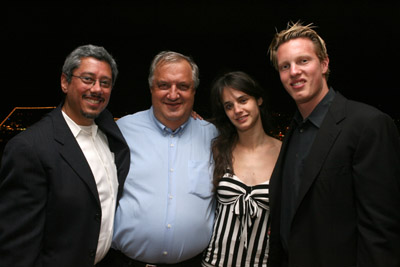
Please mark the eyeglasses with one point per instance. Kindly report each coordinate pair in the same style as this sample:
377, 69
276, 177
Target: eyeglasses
105, 84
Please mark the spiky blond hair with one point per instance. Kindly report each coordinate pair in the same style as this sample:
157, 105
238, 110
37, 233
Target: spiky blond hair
294, 31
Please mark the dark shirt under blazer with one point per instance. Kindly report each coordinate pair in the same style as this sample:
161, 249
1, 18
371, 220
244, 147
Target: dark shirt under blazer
347, 210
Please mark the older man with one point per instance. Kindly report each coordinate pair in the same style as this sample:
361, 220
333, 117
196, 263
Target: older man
166, 213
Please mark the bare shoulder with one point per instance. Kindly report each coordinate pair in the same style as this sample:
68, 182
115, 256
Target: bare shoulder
275, 143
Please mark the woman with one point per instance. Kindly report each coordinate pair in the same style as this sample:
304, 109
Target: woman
245, 156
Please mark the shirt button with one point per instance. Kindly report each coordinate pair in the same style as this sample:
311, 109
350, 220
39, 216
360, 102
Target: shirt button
169, 225
165, 253
171, 145
171, 169
170, 197
301, 130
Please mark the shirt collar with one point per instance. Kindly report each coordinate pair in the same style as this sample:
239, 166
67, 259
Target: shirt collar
164, 129
77, 129
318, 114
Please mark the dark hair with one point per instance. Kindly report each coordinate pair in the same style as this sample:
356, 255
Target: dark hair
222, 145
73, 60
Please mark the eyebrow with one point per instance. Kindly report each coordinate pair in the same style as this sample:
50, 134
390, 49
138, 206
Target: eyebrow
237, 98
92, 74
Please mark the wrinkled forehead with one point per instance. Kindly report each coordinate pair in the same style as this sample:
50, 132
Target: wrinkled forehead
180, 70
174, 61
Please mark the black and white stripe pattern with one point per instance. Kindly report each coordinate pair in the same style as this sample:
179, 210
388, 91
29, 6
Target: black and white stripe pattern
240, 230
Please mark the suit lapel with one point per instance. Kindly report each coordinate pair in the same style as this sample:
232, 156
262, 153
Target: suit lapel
72, 153
117, 145
325, 139
276, 177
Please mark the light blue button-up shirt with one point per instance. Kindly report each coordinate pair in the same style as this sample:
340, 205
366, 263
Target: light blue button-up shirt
166, 212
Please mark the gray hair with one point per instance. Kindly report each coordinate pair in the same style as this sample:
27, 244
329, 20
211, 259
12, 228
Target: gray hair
73, 60
170, 56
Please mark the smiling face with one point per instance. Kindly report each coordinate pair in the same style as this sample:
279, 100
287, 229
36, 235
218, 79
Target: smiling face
241, 109
302, 73
172, 93
84, 102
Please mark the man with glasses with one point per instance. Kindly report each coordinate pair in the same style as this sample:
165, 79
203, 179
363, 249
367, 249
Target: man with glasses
60, 180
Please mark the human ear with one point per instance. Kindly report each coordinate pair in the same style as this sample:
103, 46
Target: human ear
325, 65
64, 83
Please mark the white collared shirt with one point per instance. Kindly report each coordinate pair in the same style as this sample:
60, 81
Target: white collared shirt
94, 145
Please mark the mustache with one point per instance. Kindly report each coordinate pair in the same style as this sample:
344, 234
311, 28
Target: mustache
94, 96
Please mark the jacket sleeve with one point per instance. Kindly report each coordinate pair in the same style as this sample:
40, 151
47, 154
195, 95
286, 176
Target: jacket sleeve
275, 247
23, 193
376, 169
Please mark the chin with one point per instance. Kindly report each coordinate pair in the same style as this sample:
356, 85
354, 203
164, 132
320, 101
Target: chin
90, 115
175, 115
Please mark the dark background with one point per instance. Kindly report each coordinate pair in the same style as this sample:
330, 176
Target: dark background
362, 39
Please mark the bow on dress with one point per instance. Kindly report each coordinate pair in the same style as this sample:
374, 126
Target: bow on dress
246, 201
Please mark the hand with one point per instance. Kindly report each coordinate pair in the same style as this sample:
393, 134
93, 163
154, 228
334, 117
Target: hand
196, 116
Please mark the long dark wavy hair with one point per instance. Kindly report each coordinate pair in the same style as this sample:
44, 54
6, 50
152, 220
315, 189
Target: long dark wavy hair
223, 144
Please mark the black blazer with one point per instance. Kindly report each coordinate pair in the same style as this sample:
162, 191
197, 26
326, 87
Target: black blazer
348, 210
50, 212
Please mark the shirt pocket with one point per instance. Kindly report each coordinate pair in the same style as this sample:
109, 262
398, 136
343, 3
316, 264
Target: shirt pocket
200, 178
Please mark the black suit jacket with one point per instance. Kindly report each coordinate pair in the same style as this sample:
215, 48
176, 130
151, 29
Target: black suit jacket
50, 212
348, 209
